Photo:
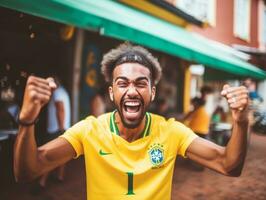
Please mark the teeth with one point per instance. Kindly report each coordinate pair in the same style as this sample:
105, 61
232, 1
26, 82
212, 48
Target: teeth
130, 103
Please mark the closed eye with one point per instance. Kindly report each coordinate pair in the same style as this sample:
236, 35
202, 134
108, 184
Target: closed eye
141, 84
122, 84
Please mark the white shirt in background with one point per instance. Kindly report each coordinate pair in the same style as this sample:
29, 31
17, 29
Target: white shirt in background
60, 94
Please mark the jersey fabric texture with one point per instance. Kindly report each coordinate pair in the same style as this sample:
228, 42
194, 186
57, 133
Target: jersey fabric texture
199, 121
60, 94
117, 169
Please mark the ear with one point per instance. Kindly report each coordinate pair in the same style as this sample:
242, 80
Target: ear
111, 94
153, 92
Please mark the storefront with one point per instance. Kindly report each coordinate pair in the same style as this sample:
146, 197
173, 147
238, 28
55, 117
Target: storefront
29, 45
118, 21
33, 45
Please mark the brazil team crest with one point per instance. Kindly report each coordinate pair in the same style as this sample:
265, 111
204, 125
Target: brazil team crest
156, 154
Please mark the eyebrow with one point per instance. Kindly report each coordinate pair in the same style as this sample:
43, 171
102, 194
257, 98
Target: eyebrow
138, 79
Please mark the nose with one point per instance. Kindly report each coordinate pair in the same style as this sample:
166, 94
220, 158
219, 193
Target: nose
132, 91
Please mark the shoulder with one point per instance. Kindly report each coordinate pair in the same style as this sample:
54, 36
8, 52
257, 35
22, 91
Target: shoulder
167, 124
157, 118
91, 121
104, 117
100, 121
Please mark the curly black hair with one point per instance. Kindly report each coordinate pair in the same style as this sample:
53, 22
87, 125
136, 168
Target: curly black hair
125, 53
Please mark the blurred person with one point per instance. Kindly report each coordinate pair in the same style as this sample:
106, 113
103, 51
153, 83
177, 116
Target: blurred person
251, 86
7, 121
255, 99
129, 153
13, 110
9, 109
198, 119
205, 91
58, 120
257, 109
218, 115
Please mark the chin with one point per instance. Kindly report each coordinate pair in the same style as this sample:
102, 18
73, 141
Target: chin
131, 124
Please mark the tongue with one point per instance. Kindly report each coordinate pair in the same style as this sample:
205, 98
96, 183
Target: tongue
132, 109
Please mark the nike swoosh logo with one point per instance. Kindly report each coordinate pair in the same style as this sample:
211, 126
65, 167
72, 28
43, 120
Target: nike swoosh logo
104, 153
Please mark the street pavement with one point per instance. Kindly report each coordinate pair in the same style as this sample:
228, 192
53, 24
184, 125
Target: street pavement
188, 183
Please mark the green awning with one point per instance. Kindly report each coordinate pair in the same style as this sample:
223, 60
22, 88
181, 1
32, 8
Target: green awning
116, 20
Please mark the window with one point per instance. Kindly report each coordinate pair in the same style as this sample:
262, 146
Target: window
204, 10
242, 19
263, 34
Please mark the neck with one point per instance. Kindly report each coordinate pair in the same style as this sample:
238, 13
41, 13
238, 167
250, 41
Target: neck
129, 134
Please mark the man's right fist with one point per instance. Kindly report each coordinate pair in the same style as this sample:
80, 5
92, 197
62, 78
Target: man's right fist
37, 93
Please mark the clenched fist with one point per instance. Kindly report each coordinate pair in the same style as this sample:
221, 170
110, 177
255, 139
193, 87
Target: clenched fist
238, 100
38, 92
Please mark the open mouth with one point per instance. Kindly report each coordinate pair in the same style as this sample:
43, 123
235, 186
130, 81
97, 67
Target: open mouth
132, 109
132, 106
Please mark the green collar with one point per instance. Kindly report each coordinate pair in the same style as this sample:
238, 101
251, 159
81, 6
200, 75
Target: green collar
115, 130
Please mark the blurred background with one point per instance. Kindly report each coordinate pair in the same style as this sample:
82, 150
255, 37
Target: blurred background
201, 45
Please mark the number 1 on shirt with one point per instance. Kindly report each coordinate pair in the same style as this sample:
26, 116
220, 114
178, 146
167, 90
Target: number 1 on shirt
130, 183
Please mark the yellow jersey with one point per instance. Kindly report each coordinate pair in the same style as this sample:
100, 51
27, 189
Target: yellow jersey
117, 169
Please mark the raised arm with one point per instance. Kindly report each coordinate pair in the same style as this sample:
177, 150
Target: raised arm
30, 161
227, 160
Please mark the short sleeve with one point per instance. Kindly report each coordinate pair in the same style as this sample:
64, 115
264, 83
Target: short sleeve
183, 137
75, 135
58, 94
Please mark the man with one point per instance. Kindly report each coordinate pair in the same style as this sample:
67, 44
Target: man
129, 153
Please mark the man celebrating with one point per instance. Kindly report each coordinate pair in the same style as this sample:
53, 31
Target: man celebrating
129, 153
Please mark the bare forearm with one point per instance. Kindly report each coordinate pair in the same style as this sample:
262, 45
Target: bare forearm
235, 152
25, 154
31, 161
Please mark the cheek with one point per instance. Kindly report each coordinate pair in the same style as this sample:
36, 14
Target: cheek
117, 94
147, 96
